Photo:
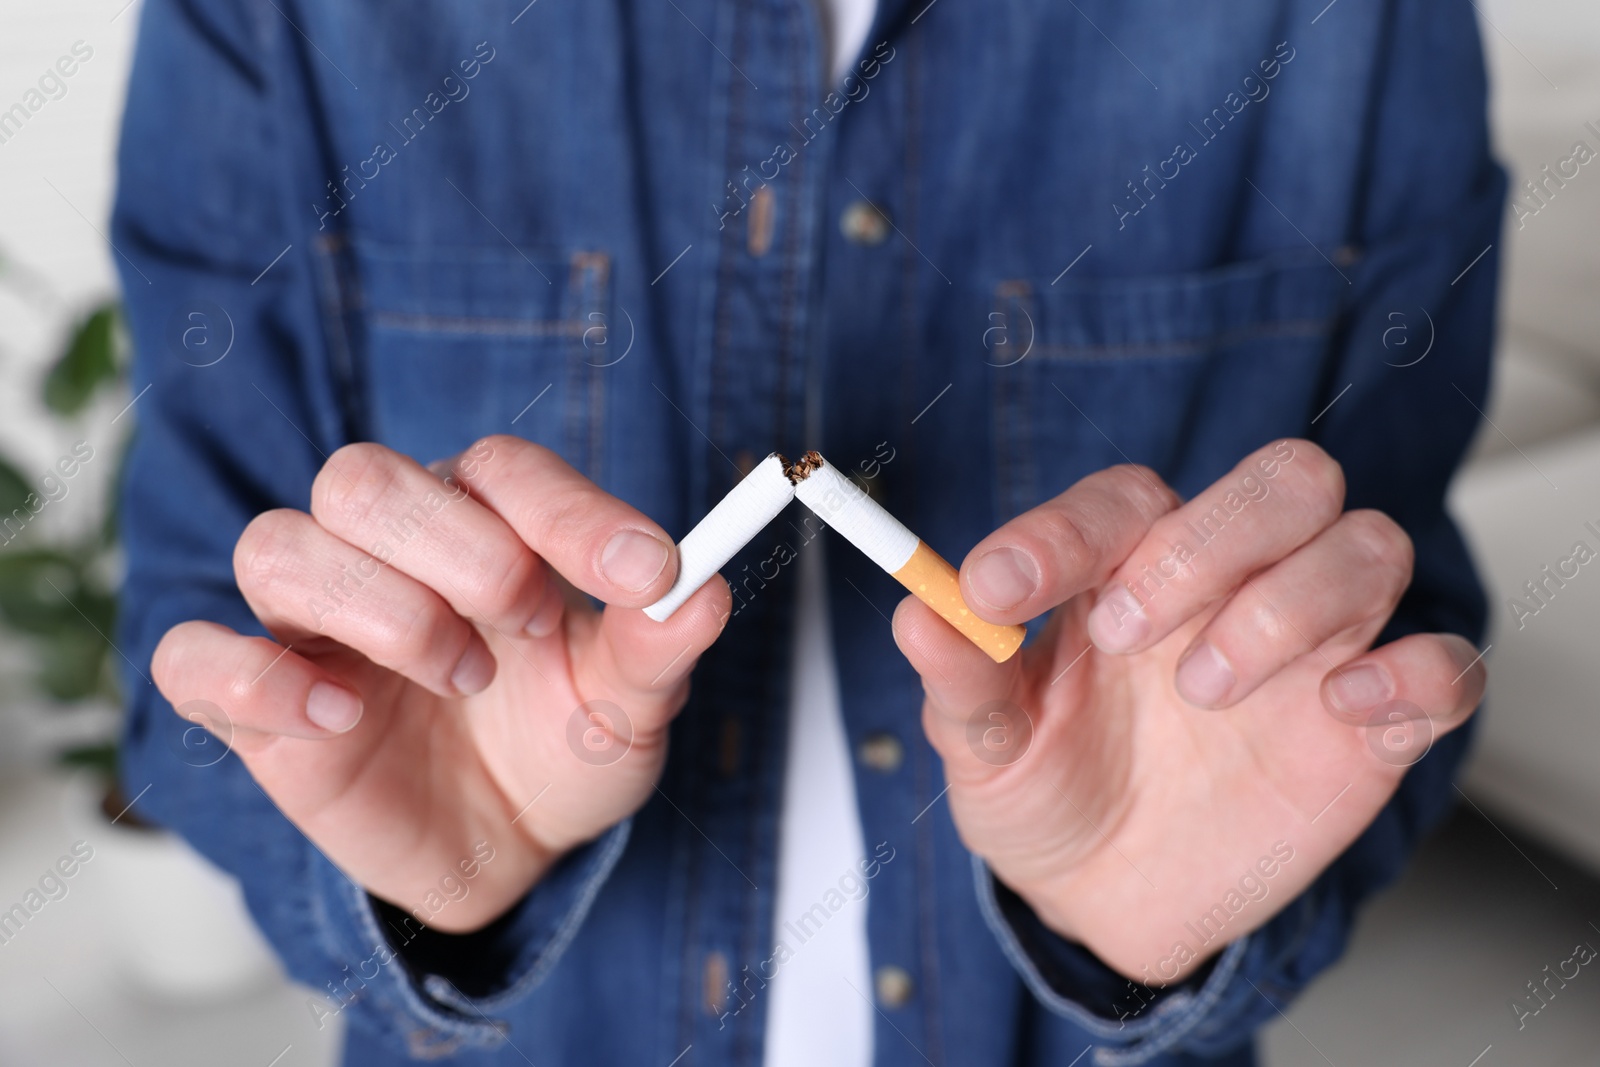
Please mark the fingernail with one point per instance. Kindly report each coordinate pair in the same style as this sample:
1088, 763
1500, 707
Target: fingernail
1205, 677
1118, 622
474, 670
1465, 654
632, 560
1004, 578
333, 707
1356, 689
548, 617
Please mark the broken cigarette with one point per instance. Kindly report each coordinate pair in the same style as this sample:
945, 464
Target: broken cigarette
728, 527
882, 538
839, 502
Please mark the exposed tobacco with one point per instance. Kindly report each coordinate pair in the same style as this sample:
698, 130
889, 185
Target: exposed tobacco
799, 472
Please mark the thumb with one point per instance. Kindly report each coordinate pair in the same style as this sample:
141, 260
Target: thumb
974, 713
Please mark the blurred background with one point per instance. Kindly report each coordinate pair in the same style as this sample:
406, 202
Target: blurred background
143, 954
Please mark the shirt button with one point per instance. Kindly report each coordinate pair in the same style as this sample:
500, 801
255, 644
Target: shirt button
882, 752
1346, 255
893, 986
715, 983
864, 224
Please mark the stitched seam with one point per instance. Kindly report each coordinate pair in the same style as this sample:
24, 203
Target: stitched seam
929, 1000
927, 915
691, 994
411, 1003
1184, 1022
1263, 331
760, 908
572, 404
597, 396
334, 281
730, 246
788, 333
423, 323
586, 271
603, 865
910, 312
1055, 1002
1014, 455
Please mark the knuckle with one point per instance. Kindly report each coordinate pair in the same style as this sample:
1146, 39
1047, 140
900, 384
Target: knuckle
566, 522
498, 583
164, 660
486, 447
1381, 541
516, 575
266, 553
470, 464
241, 691
490, 444
1264, 623
1147, 486
1459, 658
1320, 478
1069, 549
405, 637
351, 485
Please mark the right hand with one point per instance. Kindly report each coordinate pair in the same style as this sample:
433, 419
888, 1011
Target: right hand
431, 655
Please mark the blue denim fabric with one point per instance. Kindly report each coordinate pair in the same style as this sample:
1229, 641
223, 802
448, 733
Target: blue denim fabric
628, 216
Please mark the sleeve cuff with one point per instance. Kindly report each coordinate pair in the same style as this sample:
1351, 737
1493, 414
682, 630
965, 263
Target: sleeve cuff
1134, 1022
416, 983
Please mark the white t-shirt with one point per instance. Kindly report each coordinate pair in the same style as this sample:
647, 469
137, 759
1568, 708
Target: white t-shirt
819, 840
819, 828
846, 23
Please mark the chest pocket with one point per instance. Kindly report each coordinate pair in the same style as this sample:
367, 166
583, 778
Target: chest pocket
451, 344
1185, 373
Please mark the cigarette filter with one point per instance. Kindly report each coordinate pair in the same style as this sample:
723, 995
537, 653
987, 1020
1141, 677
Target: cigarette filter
727, 528
882, 538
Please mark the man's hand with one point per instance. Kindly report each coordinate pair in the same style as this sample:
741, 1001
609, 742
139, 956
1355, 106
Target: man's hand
437, 693
1201, 729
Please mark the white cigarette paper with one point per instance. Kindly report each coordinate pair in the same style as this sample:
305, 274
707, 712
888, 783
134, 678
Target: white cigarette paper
728, 527
861, 520
882, 538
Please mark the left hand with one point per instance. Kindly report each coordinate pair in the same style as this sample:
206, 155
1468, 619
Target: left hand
1210, 727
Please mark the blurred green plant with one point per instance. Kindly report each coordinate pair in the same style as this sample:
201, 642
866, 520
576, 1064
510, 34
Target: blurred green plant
60, 596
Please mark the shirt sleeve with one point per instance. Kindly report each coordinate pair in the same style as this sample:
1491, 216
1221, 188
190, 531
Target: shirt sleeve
239, 398
1427, 233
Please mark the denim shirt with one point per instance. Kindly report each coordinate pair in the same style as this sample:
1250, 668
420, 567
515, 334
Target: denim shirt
1021, 242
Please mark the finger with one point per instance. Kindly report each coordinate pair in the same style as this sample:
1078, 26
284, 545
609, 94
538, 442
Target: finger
1062, 547
427, 526
1345, 581
603, 546
643, 665
552, 607
959, 682
1273, 502
263, 690
1442, 675
305, 584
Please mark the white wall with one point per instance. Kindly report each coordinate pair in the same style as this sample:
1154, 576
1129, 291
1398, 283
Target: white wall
58, 165
68, 143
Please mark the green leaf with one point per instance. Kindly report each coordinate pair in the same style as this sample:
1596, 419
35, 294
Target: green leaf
110, 529
14, 489
88, 363
101, 757
38, 591
72, 665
